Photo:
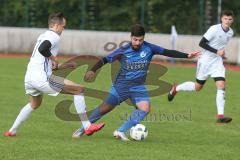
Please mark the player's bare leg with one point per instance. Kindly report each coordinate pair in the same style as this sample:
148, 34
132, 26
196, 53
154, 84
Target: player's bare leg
35, 101
186, 86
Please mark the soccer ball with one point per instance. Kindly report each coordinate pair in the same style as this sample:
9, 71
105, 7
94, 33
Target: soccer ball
138, 132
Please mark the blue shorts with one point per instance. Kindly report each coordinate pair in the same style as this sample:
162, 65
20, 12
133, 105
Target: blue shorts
119, 94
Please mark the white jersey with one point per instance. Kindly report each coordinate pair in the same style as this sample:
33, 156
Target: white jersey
40, 67
218, 38
209, 63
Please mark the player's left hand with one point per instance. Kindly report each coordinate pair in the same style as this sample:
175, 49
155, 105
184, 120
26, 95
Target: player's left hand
54, 65
193, 54
54, 62
89, 76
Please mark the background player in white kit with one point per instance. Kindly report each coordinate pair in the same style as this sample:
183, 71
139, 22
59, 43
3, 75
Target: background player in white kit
210, 63
39, 78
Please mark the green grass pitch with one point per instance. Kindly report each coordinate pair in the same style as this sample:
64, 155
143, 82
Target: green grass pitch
195, 136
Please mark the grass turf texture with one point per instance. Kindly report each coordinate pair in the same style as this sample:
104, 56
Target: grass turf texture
195, 137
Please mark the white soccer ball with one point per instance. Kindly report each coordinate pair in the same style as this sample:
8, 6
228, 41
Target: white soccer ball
138, 132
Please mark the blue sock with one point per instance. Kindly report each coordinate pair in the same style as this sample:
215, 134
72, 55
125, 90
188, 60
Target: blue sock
95, 115
136, 117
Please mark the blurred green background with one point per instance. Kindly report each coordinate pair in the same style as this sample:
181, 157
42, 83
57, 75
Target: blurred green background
157, 16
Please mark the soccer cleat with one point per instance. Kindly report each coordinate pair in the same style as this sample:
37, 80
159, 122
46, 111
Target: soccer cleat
120, 135
224, 120
9, 134
93, 128
172, 93
78, 133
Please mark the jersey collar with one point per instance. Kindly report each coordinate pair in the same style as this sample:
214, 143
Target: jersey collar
53, 31
224, 29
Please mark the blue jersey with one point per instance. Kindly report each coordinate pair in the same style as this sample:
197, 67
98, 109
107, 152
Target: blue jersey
134, 63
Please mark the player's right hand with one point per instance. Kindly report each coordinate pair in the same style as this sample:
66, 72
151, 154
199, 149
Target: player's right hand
89, 76
193, 54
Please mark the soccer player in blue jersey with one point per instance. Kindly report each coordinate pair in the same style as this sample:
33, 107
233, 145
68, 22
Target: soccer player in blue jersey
134, 58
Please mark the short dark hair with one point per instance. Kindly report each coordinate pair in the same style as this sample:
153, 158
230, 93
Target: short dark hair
55, 18
137, 30
227, 13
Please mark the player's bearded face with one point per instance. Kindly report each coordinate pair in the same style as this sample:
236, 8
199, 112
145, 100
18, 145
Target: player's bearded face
137, 42
227, 21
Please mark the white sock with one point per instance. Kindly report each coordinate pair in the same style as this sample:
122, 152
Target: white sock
220, 100
80, 106
186, 86
22, 116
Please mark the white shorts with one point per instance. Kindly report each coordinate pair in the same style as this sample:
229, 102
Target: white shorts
214, 68
52, 86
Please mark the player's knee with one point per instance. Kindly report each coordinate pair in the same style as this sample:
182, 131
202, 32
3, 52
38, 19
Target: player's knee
35, 106
198, 87
79, 90
35, 102
144, 106
221, 86
147, 110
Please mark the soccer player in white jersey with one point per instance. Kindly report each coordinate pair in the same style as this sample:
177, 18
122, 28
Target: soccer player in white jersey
39, 78
210, 63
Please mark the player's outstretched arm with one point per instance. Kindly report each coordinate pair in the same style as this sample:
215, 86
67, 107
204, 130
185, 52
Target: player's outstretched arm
178, 54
